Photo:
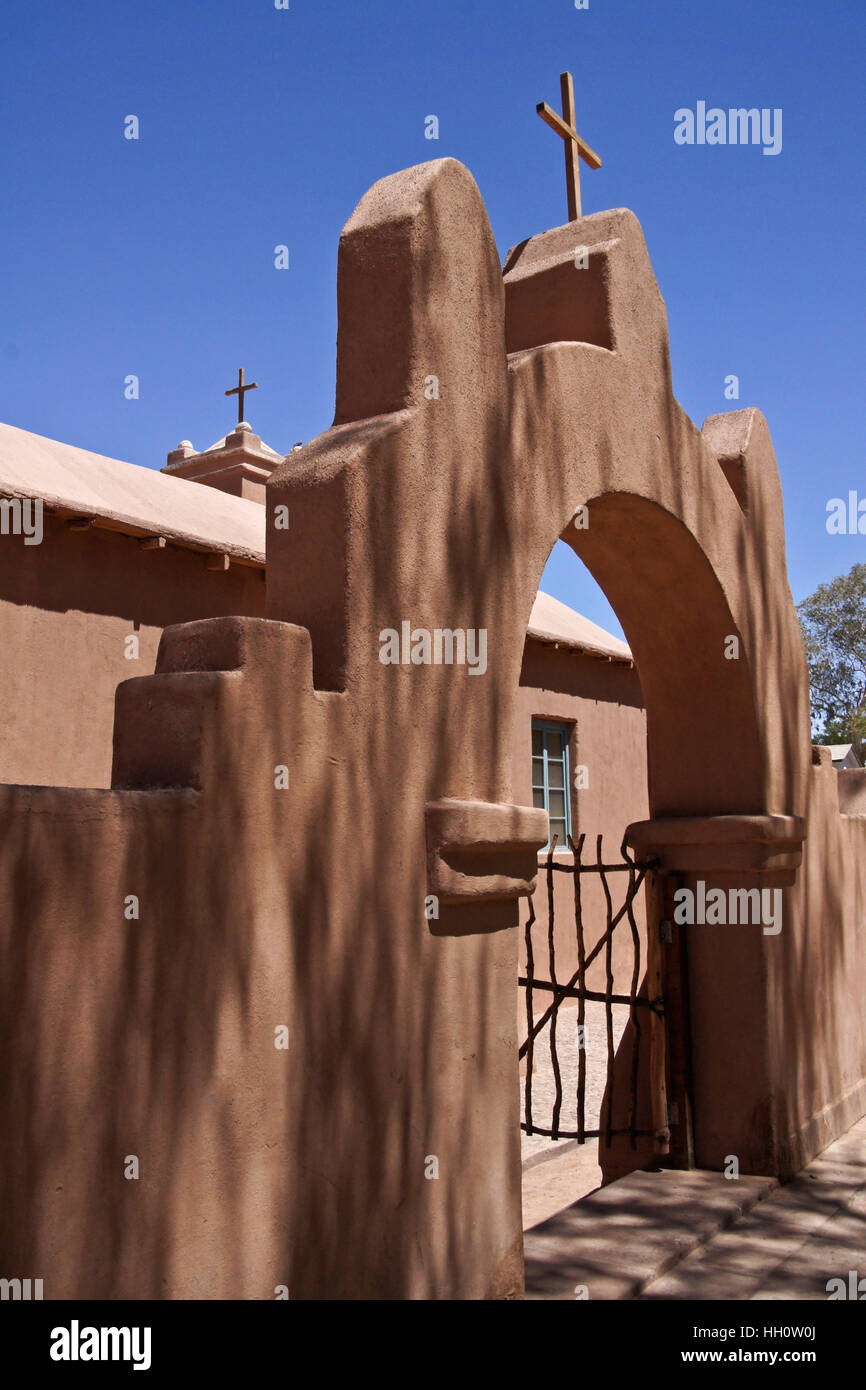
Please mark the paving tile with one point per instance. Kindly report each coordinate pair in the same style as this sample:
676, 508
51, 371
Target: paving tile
825, 1259
708, 1282
847, 1227
787, 1293
824, 1189
798, 1210
745, 1253
836, 1245
543, 1286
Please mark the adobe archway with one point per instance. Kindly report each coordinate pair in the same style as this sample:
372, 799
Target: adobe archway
378, 1155
703, 747
474, 416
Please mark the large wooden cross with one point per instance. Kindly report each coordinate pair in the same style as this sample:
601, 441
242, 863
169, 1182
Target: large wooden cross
565, 126
240, 390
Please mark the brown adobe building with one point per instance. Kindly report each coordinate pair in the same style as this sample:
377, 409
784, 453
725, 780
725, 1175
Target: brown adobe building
301, 905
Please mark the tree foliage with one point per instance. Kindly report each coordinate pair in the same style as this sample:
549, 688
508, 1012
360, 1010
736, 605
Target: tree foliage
833, 622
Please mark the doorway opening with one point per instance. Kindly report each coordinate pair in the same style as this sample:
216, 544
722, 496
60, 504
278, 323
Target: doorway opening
581, 755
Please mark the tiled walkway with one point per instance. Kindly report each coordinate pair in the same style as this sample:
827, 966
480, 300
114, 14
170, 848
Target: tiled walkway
698, 1235
808, 1232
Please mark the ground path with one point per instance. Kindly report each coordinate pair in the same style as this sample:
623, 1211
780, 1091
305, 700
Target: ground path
697, 1235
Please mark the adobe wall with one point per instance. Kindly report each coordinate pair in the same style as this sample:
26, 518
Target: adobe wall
154, 1036
66, 607
813, 973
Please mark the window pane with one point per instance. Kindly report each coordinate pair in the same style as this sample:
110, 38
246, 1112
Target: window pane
554, 744
554, 773
538, 798
537, 743
557, 805
557, 828
538, 772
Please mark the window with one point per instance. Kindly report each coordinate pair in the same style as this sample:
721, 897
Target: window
550, 789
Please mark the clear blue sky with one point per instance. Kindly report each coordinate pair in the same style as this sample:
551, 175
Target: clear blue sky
261, 127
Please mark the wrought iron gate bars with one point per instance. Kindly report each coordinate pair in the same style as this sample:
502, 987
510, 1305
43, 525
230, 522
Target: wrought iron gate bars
576, 989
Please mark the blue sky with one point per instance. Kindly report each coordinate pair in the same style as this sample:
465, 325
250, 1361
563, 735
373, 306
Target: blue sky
261, 127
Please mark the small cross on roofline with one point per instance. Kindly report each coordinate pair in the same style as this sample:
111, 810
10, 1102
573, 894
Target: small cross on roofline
240, 391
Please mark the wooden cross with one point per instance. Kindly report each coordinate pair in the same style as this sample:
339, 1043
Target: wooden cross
239, 391
565, 126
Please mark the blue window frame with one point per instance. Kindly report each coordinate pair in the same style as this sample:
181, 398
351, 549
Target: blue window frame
550, 784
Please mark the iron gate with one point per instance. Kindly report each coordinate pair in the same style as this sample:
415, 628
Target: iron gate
645, 1008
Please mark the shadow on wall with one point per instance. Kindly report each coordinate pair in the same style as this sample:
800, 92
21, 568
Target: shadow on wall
312, 1168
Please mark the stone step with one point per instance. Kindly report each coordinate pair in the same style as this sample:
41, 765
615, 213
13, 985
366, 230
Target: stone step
806, 1242
614, 1242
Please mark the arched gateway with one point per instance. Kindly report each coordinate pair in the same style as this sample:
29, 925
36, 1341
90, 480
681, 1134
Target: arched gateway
475, 417
309, 1040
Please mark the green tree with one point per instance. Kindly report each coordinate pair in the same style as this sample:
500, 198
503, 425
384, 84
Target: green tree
833, 622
